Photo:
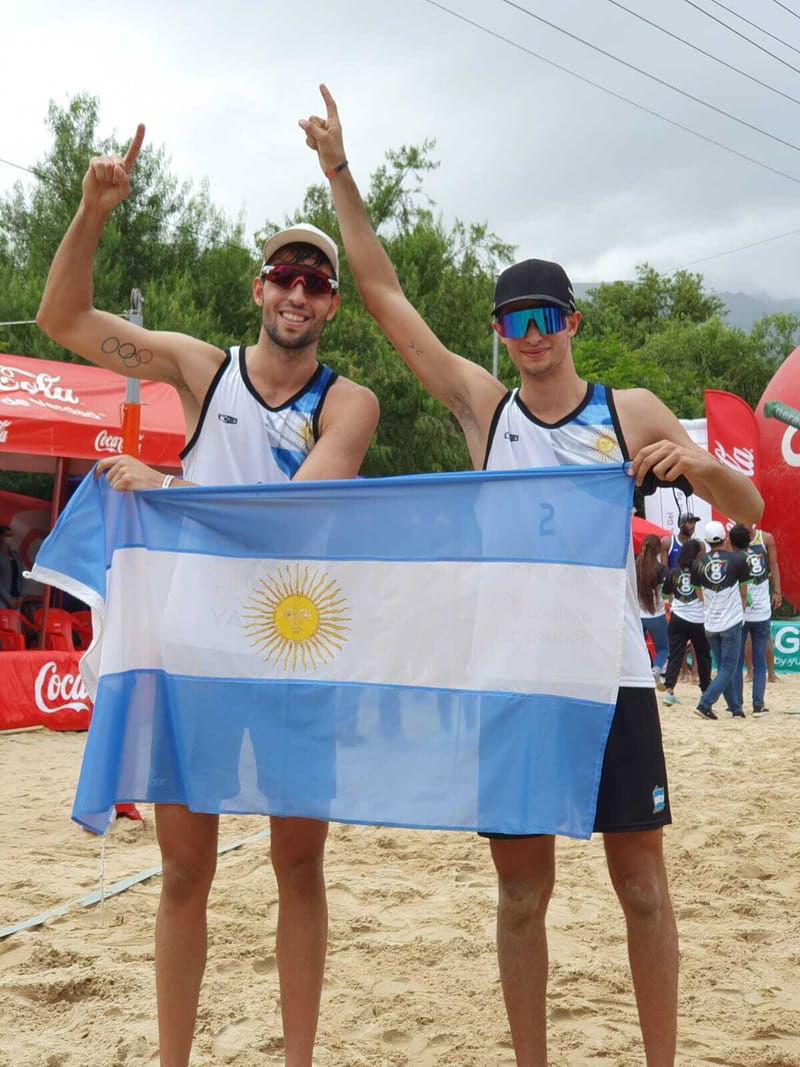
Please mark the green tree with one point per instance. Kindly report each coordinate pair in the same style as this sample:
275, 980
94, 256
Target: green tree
633, 311
775, 336
166, 239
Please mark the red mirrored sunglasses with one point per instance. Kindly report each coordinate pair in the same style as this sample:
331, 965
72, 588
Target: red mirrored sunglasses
287, 275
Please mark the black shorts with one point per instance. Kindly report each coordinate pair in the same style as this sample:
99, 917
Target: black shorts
633, 792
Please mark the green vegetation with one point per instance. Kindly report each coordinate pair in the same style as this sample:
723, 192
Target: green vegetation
194, 267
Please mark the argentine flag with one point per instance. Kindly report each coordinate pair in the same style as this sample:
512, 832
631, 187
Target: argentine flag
436, 651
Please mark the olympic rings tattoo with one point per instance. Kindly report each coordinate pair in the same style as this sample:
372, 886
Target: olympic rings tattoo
130, 355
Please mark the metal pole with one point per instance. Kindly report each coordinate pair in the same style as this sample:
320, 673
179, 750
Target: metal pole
495, 352
131, 409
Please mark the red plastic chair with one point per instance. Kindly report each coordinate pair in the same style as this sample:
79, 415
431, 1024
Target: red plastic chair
13, 628
82, 628
58, 630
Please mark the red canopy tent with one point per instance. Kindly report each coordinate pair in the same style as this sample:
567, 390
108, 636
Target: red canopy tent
640, 528
69, 414
60, 418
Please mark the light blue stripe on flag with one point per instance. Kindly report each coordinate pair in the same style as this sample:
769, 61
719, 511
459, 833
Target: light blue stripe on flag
437, 651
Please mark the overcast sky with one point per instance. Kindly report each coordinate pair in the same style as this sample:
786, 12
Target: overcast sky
554, 166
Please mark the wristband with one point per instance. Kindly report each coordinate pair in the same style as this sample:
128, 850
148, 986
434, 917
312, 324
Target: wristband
168, 480
331, 174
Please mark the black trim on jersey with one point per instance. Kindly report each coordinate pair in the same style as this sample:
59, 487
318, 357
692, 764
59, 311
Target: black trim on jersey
254, 392
318, 409
493, 427
561, 422
612, 407
206, 401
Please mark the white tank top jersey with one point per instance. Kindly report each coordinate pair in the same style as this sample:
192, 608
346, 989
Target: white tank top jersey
589, 434
241, 440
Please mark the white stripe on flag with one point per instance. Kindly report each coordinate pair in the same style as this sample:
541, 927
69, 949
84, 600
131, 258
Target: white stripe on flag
518, 627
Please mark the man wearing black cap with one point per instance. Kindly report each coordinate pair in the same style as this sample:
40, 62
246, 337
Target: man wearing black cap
555, 417
672, 545
266, 412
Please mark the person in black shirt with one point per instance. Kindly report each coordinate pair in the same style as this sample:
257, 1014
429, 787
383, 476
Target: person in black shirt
686, 621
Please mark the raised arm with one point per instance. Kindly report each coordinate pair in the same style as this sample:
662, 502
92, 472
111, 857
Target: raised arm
66, 313
658, 442
468, 390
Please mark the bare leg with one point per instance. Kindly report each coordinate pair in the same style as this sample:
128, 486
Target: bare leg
636, 866
188, 843
298, 848
526, 873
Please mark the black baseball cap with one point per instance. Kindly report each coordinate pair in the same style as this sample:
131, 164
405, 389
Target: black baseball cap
686, 516
536, 280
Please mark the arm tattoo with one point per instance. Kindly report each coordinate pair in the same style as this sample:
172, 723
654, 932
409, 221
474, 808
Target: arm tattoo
130, 355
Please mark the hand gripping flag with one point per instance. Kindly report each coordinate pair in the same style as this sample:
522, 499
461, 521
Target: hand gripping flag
435, 651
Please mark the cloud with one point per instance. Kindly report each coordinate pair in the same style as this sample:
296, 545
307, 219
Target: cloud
553, 165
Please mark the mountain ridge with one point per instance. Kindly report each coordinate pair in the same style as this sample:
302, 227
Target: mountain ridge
743, 309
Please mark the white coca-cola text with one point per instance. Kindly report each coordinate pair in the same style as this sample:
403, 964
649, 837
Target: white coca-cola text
107, 442
54, 692
14, 380
4, 425
738, 459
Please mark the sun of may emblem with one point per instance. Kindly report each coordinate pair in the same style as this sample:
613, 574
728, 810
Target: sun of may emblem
297, 617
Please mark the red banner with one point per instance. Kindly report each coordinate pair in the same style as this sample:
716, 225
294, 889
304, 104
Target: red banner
43, 689
732, 437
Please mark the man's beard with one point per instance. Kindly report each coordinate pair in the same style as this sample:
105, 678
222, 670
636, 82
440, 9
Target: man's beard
300, 341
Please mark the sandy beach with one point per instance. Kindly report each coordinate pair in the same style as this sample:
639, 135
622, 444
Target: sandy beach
411, 976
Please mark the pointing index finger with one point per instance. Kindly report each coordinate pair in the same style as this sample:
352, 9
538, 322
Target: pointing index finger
133, 148
330, 103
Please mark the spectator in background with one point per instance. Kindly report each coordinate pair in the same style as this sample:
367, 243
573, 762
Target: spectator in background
686, 621
765, 540
722, 575
650, 576
757, 614
671, 546
10, 571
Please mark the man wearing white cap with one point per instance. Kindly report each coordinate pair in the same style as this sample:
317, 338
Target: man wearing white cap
723, 577
266, 412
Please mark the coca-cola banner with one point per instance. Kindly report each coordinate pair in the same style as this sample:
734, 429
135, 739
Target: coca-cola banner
43, 689
732, 436
74, 411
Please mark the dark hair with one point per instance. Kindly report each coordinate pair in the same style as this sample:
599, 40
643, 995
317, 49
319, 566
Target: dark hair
298, 252
689, 552
648, 571
740, 536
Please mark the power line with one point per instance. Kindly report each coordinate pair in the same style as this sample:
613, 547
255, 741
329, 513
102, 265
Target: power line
744, 36
785, 8
652, 77
18, 166
703, 52
755, 25
611, 92
741, 248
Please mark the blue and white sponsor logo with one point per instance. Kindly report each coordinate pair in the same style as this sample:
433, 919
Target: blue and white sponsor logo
659, 799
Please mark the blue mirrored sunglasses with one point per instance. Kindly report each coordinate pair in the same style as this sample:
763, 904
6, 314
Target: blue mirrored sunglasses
514, 324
